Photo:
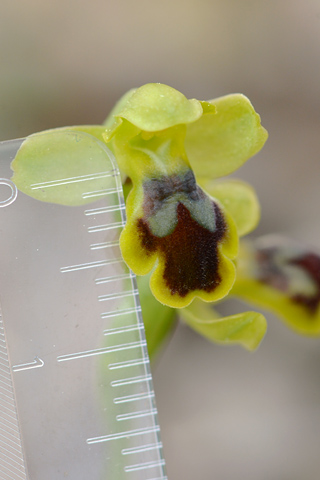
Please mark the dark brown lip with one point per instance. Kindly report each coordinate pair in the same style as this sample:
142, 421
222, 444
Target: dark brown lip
190, 251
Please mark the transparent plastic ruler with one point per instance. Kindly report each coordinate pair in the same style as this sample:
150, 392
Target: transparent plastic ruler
76, 393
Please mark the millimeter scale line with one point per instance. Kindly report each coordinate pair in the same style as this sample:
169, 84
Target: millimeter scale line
131, 380
134, 398
12, 463
114, 278
113, 296
116, 313
101, 193
96, 264
127, 434
127, 364
105, 227
100, 210
125, 329
103, 245
144, 466
142, 448
66, 181
138, 414
159, 478
100, 351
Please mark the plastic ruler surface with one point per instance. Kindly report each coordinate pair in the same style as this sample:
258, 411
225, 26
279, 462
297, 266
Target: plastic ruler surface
76, 393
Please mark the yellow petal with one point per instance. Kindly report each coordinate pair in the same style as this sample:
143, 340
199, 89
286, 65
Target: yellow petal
246, 329
154, 107
239, 199
62, 165
110, 121
219, 143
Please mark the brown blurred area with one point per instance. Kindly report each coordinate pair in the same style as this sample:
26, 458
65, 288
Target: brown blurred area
225, 414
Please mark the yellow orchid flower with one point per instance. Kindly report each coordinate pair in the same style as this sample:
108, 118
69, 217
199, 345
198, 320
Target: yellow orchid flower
163, 143
183, 221
276, 273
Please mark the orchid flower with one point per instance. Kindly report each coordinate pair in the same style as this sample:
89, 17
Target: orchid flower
183, 222
276, 273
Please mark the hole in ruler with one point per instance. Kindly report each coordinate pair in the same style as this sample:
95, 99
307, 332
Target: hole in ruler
8, 192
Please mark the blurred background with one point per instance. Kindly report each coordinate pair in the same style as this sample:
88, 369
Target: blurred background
225, 414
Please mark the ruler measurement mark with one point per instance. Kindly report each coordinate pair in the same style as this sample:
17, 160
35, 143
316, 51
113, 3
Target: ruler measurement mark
36, 363
122, 330
12, 440
11, 456
101, 351
142, 448
96, 264
4, 367
6, 389
15, 457
9, 453
118, 436
7, 385
10, 474
18, 462
5, 372
4, 354
4, 359
12, 413
12, 425
131, 380
113, 296
8, 424
4, 363
100, 210
106, 227
103, 245
4, 413
67, 181
129, 363
116, 313
101, 193
8, 418
16, 470
125, 329
144, 466
8, 440
132, 415
8, 400
11, 444
159, 478
13, 470
134, 398
114, 278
